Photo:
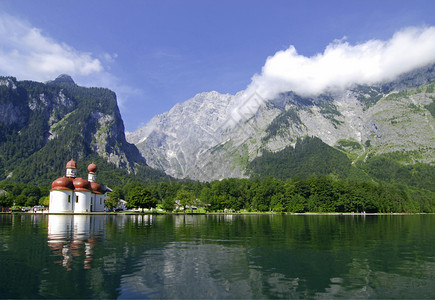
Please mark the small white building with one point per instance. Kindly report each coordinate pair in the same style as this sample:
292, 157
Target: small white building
70, 194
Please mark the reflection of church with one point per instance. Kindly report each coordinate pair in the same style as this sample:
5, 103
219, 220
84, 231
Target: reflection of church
73, 238
70, 194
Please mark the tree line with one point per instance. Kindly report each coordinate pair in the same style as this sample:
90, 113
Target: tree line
21, 194
294, 195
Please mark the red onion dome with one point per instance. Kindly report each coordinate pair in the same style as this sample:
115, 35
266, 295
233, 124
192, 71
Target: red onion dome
62, 183
71, 164
96, 188
81, 185
92, 168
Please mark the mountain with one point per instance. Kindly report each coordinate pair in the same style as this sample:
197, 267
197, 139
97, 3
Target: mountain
44, 125
215, 136
176, 141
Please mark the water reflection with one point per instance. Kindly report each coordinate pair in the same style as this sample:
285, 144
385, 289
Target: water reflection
73, 238
187, 270
142, 220
362, 282
213, 256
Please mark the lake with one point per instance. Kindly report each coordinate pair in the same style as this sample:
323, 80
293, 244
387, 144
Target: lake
217, 256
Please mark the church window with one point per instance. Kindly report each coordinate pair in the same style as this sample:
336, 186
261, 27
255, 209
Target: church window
69, 198
77, 199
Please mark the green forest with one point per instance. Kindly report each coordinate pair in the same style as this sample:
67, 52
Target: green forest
294, 195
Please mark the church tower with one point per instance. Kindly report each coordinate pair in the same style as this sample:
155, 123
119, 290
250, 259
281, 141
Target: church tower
92, 175
71, 169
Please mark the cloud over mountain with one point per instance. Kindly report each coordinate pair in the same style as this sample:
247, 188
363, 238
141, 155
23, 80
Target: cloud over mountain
27, 53
342, 64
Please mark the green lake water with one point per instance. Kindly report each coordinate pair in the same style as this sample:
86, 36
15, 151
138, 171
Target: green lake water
217, 256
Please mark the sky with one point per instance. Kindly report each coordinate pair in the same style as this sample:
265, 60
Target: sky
155, 54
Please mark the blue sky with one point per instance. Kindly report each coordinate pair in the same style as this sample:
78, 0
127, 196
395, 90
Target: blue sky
154, 54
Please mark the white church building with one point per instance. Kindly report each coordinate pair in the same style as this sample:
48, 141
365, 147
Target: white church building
72, 194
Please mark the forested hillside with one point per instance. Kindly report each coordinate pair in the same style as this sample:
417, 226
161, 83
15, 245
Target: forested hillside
42, 126
312, 157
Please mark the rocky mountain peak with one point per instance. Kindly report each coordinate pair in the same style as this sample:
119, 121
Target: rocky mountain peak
63, 78
9, 82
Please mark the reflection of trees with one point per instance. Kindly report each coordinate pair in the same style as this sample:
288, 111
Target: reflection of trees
362, 282
279, 255
316, 250
21, 270
302, 255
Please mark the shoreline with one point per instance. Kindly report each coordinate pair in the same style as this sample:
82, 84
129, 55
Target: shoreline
217, 213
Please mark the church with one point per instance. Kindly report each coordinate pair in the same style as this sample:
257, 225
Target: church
72, 194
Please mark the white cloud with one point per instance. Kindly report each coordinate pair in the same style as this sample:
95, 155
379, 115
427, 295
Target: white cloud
340, 66
26, 53
109, 57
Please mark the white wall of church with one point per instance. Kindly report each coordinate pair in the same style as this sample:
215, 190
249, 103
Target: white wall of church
82, 201
98, 202
61, 201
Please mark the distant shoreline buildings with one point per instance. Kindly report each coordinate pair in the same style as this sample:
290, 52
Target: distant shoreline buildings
72, 194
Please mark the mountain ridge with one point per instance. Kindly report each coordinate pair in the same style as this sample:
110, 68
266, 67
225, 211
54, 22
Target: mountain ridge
360, 121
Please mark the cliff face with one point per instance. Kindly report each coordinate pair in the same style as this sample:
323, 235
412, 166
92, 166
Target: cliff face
177, 140
45, 125
213, 136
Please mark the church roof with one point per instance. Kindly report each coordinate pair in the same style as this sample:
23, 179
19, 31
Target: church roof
81, 184
92, 168
71, 164
62, 183
96, 188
